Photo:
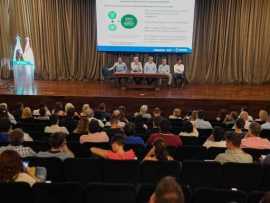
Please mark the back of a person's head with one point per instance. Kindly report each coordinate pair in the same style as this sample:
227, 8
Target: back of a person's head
11, 165
4, 106
187, 127
54, 119
94, 126
70, 112
144, 109
129, 129
266, 198
58, 106
16, 137
69, 106
240, 123
118, 139
161, 150
177, 112
56, 140
201, 114
165, 126
156, 111
263, 115
234, 139
3, 113
168, 191
42, 111
26, 113
5, 125
218, 133
255, 128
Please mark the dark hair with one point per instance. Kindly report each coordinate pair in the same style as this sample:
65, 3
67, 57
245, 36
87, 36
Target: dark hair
11, 165
3, 112
58, 107
240, 123
129, 129
54, 119
165, 126
16, 137
70, 112
187, 127
255, 128
4, 125
118, 139
57, 139
201, 114
233, 138
42, 111
94, 126
218, 133
169, 191
102, 107
161, 150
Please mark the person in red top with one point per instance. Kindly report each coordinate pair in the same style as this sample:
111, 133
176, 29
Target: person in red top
169, 138
117, 152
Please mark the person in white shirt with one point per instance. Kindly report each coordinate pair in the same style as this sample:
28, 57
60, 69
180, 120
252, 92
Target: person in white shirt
188, 130
216, 139
150, 67
42, 107
266, 125
120, 66
200, 123
179, 71
4, 108
136, 67
164, 68
54, 127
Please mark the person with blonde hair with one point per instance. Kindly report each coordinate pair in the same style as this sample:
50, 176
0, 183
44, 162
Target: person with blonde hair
263, 117
82, 126
143, 112
26, 114
245, 116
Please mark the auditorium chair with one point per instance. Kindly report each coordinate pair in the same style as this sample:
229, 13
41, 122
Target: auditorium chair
176, 125
202, 173
188, 153
16, 192
152, 172
190, 141
83, 170
256, 153
37, 146
212, 152
242, 176
266, 177
54, 167
58, 193
255, 196
107, 192
205, 195
265, 133
121, 171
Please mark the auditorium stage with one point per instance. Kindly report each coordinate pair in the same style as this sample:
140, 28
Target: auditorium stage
193, 96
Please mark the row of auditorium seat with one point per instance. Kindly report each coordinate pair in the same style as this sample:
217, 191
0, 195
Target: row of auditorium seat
120, 193
192, 173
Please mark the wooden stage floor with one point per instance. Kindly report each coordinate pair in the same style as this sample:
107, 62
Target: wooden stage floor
191, 97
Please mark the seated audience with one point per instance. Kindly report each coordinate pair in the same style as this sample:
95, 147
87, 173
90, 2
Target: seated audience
168, 191
154, 125
16, 140
82, 126
201, 123
88, 112
123, 112
95, 135
45, 111
54, 127
143, 112
69, 106
117, 152
266, 125
131, 138
253, 139
17, 111
263, 117
116, 116
216, 139
114, 128
58, 109
245, 116
141, 125
193, 117
26, 115
233, 154
12, 169
165, 69
231, 118
5, 126
59, 148
158, 152
70, 121
4, 110
101, 113
221, 115
177, 114
157, 113
188, 130
239, 127
165, 134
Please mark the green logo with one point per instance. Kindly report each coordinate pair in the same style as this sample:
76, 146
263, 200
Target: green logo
112, 27
112, 15
129, 21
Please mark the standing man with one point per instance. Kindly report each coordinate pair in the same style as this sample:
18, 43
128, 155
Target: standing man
150, 67
165, 69
179, 71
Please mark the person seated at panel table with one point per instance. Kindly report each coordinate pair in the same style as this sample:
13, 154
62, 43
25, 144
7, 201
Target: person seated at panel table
179, 71
150, 67
136, 67
165, 69
120, 67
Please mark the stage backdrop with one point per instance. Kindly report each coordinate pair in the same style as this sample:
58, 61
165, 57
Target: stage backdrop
231, 40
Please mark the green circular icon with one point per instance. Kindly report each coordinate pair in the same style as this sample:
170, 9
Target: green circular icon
129, 21
112, 27
112, 15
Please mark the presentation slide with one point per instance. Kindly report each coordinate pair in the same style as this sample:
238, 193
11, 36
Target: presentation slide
161, 26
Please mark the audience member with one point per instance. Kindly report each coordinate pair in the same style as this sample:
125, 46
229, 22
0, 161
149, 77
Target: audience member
12, 169
158, 152
58, 109
116, 116
59, 148
266, 125
216, 139
114, 128
123, 113
143, 112
95, 135
263, 117
177, 114
82, 126
17, 111
69, 106
168, 191
239, 127
54, 127
117, 152
233, 154
231, 118
16, 139
4, 108
5, 126
101, 113
26, 115
252, 139
245, 116
201, 123
42, 111
188, 130
131, 138
165, 134
90, 114
157, 113
70, 121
